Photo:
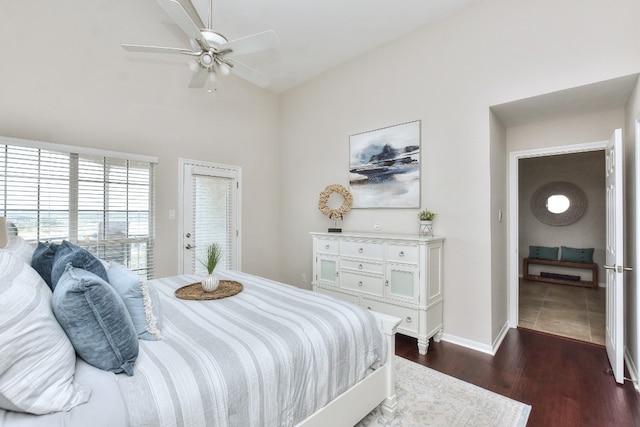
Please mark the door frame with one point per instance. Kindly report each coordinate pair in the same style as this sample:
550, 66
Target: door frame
514, 198
182, 164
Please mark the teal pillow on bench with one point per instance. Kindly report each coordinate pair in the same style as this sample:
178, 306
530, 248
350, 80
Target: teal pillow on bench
577, 255
544, 252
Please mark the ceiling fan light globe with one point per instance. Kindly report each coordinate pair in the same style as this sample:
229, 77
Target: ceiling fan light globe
193, 66
224, 69
206, 59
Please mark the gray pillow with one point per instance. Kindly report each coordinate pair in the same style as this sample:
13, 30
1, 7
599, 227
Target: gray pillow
96, 321
78, 257
42, 260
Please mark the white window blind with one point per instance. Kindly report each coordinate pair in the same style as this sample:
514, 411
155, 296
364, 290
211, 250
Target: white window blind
102, 203
212, 216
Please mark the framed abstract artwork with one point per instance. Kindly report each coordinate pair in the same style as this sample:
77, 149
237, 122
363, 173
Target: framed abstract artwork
384, 167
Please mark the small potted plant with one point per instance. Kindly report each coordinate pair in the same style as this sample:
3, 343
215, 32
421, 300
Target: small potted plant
213, 253
426, 222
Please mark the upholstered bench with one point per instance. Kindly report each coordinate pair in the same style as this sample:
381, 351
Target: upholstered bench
593, 283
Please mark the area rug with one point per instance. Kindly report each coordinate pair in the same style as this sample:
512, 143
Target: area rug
430, 398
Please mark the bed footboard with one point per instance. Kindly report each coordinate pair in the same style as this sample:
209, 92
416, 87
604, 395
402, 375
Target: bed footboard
377, 388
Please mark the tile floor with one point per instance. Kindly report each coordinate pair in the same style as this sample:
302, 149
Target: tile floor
569, 311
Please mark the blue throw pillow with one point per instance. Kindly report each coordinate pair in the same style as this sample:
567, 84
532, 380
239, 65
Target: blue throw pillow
96, 321
78, 257
577, 255
543, 252
141, 302
42, 260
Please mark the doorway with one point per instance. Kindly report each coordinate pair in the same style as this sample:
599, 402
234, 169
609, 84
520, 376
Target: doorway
565, 309
209, 213
517, 253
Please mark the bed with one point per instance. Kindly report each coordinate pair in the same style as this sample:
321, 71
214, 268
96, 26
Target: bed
272, 355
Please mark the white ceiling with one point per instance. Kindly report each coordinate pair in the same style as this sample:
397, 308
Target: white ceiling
317, 35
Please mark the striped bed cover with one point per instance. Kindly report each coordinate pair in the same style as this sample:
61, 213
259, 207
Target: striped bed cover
269, 356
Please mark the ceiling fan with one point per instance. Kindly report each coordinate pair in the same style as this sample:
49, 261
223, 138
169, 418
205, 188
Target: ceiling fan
212, 54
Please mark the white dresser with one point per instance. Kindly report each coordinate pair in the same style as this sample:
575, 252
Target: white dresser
399, 275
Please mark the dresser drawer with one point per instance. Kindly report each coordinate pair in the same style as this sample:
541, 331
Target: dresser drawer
363, 266
409, 316
403, 253
328, 246
368, 250
373, 285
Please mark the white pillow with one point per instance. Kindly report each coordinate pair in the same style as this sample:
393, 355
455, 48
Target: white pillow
37, 361
20, 248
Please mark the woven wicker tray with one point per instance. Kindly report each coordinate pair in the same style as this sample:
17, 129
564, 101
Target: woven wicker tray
194, 291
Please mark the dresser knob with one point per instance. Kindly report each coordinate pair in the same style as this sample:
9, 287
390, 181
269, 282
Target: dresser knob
401, 253
360, 283
327, 247
386, 283
359, 266
360, 250
409, 320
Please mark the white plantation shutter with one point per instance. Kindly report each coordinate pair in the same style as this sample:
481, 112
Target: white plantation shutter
102, 201
212, 219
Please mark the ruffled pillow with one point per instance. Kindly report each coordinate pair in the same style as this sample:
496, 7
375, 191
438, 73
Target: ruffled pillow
140, 299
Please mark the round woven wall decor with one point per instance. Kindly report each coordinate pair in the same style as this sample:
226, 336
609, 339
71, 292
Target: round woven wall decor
577, 198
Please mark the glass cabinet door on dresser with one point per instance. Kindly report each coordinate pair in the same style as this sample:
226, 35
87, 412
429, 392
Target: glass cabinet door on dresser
399, 275
402, 283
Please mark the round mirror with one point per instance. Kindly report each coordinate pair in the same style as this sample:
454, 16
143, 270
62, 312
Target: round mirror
558, 203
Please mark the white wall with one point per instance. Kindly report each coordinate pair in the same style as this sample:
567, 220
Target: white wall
448, 76
65, 79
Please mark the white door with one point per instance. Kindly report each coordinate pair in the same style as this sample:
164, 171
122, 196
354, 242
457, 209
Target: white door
210, 214
614, 269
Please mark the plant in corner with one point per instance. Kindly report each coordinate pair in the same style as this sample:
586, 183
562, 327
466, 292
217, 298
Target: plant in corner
213, 253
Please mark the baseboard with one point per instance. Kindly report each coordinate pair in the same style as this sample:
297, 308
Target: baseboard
503, 333
473, 345
631, 367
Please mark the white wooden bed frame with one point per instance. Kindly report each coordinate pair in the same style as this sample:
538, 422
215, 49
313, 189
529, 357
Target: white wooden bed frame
375, 389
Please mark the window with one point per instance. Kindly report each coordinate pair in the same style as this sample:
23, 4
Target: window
102, 201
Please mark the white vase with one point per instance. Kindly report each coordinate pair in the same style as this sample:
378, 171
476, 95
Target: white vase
426, 228
210, 283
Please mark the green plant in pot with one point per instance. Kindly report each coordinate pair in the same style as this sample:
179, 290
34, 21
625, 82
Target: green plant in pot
426, 220
427, 215
213, 254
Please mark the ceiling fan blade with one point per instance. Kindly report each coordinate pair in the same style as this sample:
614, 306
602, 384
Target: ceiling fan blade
248, 73
199, 78
152, 49
253, 43
181, 17
193, 12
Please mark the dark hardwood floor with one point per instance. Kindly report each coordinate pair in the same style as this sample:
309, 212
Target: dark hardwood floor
565, 381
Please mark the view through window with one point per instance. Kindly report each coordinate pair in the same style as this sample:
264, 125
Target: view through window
102, 203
